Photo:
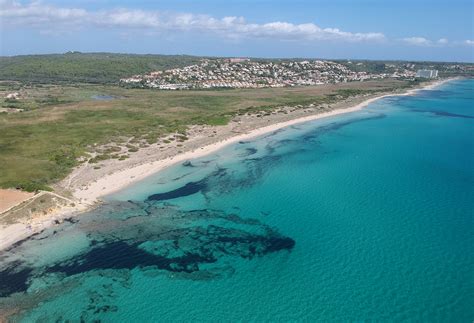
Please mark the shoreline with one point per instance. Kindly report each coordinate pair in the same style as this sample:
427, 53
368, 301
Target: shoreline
121, 179
89, 197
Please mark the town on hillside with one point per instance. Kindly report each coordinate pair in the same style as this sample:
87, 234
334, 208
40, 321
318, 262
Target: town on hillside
246, 73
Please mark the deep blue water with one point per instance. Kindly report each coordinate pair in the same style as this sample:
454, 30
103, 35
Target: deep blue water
366, 216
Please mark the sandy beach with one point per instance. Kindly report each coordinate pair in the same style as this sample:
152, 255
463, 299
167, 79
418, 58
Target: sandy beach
89, 184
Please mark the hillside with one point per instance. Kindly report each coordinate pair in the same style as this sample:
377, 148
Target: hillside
109, 68
86, 67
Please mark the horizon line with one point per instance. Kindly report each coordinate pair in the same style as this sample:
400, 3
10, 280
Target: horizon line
239, 56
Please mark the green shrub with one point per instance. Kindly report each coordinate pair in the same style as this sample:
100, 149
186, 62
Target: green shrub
33, 186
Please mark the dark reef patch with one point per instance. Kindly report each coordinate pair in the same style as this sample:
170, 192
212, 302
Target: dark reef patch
248, 152
191, 248
264, 160
14, 279
444, 114
186, 190
189, 188
197, 242
338, 125
188, 164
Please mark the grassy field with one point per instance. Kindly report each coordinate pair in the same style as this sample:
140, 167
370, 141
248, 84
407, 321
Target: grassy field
61, 123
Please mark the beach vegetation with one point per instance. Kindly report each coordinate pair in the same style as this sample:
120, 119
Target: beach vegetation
33, 186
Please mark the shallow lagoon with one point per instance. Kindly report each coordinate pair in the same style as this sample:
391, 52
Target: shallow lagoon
103, 97
357, 217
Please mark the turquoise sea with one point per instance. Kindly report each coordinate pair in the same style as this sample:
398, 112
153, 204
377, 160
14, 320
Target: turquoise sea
367, 216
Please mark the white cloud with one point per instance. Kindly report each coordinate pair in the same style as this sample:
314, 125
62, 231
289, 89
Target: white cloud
37, 13
469, 42
424, 42
417, 41
46, 17
442, 41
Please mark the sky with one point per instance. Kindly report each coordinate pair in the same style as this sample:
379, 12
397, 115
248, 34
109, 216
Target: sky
340, 29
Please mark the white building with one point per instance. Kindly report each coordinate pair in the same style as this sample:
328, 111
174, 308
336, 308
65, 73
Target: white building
238, 60
428, 74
